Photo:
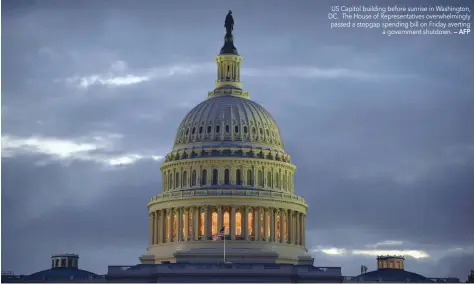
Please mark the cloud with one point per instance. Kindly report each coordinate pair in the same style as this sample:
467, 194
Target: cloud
100, 149
386, 243
366, 252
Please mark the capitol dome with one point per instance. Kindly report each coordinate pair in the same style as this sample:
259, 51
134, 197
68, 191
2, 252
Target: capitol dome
227, 184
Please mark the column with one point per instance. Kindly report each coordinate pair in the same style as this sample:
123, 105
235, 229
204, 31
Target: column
303, 233
246, 222
298, 229
257, 221
272, 225
186, 224
152, 219
206, 222
219, 218
156, 228
191, 213
170, 225
290, 226
265, 227
179, 227
232, 223
282, 226
162, 225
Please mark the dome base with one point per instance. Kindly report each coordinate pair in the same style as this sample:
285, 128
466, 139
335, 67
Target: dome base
236, 252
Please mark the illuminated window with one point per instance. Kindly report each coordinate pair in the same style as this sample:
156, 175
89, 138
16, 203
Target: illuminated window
268, 222
214, 223
249, 177
183, 224
177, 180
226, 176
384, 264
215, 177
278, 229
167, 225
262, 225
250, 224
285, 224
269, 179
227, 222
238, 224
238, 177
193, 178
185, 178
204, 177
175, 221
201, 224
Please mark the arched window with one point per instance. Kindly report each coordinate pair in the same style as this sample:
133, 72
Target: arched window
200, 130
260, 178
193, 178
238, 177
249, 177
226, 223
218, 128
227, 129
269, 179
278, 230
204, 177
215, 177
214, 223
194, 130
245, 129
209, 128
226, 176
236, 129
238, 224
185, 179
201, 224
250, 224
177, 180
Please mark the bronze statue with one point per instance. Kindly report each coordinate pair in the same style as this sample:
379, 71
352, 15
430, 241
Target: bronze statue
229, 23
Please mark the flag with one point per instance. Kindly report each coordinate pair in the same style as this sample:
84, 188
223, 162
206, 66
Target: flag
219, 236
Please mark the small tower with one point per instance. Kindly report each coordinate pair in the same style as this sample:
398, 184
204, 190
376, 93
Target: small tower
65, 260
390, 262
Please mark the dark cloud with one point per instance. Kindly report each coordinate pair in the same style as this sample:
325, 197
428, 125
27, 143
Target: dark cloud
385, 158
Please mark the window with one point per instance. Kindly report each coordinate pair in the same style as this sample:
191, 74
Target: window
269, 179
226, 176
215, 177
238, 177
278, 229
201, 224
167, 225
250, 224
185, 179
204, 177
209, 128
260, 178
227, 129
174, 228
63, 263
218, 128
261, 131
226, 223
249, 177
238, 224
183, 224
268, 134
177, 180
193, 178
245, 129
200, 130
194, 130
254, 131
187, 131
214, 223
236, 129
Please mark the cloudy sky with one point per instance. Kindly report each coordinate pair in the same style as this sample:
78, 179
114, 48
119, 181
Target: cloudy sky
380, 128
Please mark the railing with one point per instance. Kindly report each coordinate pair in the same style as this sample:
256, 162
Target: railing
226, 192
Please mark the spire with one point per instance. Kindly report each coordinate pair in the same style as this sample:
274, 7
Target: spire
228, 61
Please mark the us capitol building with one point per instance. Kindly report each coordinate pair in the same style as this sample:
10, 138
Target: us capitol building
228, 170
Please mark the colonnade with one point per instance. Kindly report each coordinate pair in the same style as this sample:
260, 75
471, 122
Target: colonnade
196, 223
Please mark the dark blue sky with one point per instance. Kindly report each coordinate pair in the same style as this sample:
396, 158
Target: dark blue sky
380, 128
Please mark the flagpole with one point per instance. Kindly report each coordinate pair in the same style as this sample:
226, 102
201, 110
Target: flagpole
224, 246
